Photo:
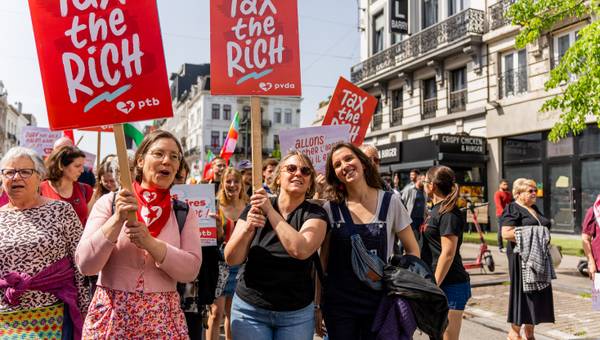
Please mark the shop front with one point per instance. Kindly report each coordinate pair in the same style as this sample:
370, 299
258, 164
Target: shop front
466, 155
567, 173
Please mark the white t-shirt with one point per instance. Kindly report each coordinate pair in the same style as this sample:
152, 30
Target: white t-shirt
398, 218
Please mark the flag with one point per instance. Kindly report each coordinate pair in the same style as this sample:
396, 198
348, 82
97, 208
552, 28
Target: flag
133, 131
231, 140
69, 134
207, 174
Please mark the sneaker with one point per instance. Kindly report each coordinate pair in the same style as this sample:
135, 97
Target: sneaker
502, 250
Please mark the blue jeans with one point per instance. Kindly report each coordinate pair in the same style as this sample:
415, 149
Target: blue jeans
458, 294
253, 323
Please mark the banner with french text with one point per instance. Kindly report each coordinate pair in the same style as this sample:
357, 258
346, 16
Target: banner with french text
254, 48
102, 62
201, 200
40, 139
353, 106
315, 142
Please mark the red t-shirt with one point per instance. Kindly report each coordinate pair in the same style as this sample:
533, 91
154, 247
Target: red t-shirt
590, 227
82, 194
502, 199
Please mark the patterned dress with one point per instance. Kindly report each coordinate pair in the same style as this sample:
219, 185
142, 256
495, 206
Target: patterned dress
135, 315
31, 240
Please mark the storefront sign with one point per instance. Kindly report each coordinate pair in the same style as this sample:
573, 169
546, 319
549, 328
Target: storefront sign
461, 144
102, 62
201, 200
398, 16
254, 48
315, 142
389, 153
41, 140
353, 106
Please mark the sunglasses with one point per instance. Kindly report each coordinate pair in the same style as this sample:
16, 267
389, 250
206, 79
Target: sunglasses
293, 168
532, 191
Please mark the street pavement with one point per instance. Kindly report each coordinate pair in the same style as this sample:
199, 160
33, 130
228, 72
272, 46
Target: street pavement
571, 292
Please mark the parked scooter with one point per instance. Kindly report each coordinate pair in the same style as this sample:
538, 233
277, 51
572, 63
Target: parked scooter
484, 258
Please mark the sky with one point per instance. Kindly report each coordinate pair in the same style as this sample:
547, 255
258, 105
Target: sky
329, 46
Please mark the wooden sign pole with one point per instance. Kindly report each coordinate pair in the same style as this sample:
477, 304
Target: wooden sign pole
98, 151
125, 175
256, 145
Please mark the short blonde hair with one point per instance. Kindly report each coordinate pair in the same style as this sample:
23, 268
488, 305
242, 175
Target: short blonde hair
521, 185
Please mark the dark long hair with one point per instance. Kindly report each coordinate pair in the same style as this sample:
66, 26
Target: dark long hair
336, 190
445, 184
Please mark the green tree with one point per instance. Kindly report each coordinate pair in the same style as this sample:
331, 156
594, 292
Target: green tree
578, 72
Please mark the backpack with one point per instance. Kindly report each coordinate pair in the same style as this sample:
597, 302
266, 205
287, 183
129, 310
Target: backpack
180, 208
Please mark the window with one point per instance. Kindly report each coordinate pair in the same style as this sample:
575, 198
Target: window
378, 29
514, 74
562, 44
215, 139
246, 111
458, 90
216, 111
429, 98
227, 112
455, 6
277, 116
396, 37
275, 141
377, 116
397, 107
430, 13
288, 116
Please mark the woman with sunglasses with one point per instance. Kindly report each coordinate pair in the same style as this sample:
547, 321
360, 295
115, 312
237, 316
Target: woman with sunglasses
359, 205
38, 237
441, 241
525, 309
277, 238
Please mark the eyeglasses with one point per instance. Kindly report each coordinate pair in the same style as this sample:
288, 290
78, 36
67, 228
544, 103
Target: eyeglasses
160, 155
292, 168
12, 173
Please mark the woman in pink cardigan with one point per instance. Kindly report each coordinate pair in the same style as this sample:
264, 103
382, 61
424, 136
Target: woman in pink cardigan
139, 264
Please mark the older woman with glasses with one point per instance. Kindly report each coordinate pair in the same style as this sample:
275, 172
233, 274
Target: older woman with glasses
277, 238
141, 262
39, 284
525, 309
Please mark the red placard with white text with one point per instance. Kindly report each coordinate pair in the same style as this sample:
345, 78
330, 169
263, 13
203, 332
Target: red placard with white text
254, 48
102, 62
353, 106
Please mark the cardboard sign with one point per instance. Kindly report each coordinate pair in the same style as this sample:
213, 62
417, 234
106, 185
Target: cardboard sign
254, 48
102, 62
201, 199
315, 142
40, 139
353, 106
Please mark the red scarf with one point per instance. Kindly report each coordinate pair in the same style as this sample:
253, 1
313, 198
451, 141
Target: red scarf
154, 207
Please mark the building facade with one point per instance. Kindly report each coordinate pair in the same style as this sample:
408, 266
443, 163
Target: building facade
202, 121
455, 91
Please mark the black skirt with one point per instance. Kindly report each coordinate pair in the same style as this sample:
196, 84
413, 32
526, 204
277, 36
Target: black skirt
526, 308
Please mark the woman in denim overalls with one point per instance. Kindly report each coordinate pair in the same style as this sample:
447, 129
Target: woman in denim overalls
359, 206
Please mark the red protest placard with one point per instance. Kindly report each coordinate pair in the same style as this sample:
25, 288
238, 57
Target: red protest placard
353, 106
102, 62
254, 48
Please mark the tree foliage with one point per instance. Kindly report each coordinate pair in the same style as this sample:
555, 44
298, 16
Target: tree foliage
578, 73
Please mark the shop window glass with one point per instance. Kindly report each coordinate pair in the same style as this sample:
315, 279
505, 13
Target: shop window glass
468, 175
524, 147
533, 171
563, 147
590, 184
589, 141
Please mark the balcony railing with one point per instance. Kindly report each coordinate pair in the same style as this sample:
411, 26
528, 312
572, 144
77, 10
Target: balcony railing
456, 27
497, 14
513, 82
397, 116
458, 101
377, 122
429, 107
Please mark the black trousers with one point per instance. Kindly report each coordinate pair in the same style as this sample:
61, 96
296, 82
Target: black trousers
500, 240
347, 327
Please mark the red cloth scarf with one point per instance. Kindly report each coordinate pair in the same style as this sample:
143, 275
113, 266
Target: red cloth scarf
154, 207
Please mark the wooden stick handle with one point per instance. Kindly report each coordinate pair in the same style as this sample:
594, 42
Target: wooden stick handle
256, 121
98, 149
124, 174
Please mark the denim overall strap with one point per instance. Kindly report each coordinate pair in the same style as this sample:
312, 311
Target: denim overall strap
385, 206
348, 219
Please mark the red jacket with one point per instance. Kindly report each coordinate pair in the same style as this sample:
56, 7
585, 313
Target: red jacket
502, 199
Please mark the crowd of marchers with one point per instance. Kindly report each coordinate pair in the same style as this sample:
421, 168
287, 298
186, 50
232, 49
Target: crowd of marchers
340, 254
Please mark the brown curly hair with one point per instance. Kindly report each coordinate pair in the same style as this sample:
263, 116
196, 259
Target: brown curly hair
59, 159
